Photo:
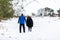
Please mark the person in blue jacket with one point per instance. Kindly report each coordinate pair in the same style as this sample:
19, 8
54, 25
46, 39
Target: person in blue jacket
21, 21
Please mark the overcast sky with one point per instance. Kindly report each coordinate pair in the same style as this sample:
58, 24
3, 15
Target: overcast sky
33, 6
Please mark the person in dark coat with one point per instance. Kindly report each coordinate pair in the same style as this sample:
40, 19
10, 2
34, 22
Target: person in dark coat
29, 23
21, 21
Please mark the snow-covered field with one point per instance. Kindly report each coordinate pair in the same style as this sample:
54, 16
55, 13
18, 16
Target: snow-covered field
45, 28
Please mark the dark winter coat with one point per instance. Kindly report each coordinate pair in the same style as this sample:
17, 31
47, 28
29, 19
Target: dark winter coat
29, 22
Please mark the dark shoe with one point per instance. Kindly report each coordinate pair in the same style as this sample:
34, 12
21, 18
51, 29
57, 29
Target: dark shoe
20, 32
24, 32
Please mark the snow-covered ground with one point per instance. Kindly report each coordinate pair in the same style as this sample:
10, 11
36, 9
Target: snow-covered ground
45, 28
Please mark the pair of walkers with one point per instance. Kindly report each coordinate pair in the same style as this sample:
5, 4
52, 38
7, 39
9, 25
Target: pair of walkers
22, 21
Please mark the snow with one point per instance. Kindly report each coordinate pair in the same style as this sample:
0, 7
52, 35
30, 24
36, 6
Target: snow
31, 6
45, 28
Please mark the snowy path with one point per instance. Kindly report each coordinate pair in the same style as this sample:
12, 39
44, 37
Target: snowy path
45, 28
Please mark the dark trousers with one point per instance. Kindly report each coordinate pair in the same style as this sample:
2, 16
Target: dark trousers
22, 25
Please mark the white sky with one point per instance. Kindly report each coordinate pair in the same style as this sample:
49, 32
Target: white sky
33, 6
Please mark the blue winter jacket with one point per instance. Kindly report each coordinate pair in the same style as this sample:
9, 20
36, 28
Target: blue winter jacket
21, 20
